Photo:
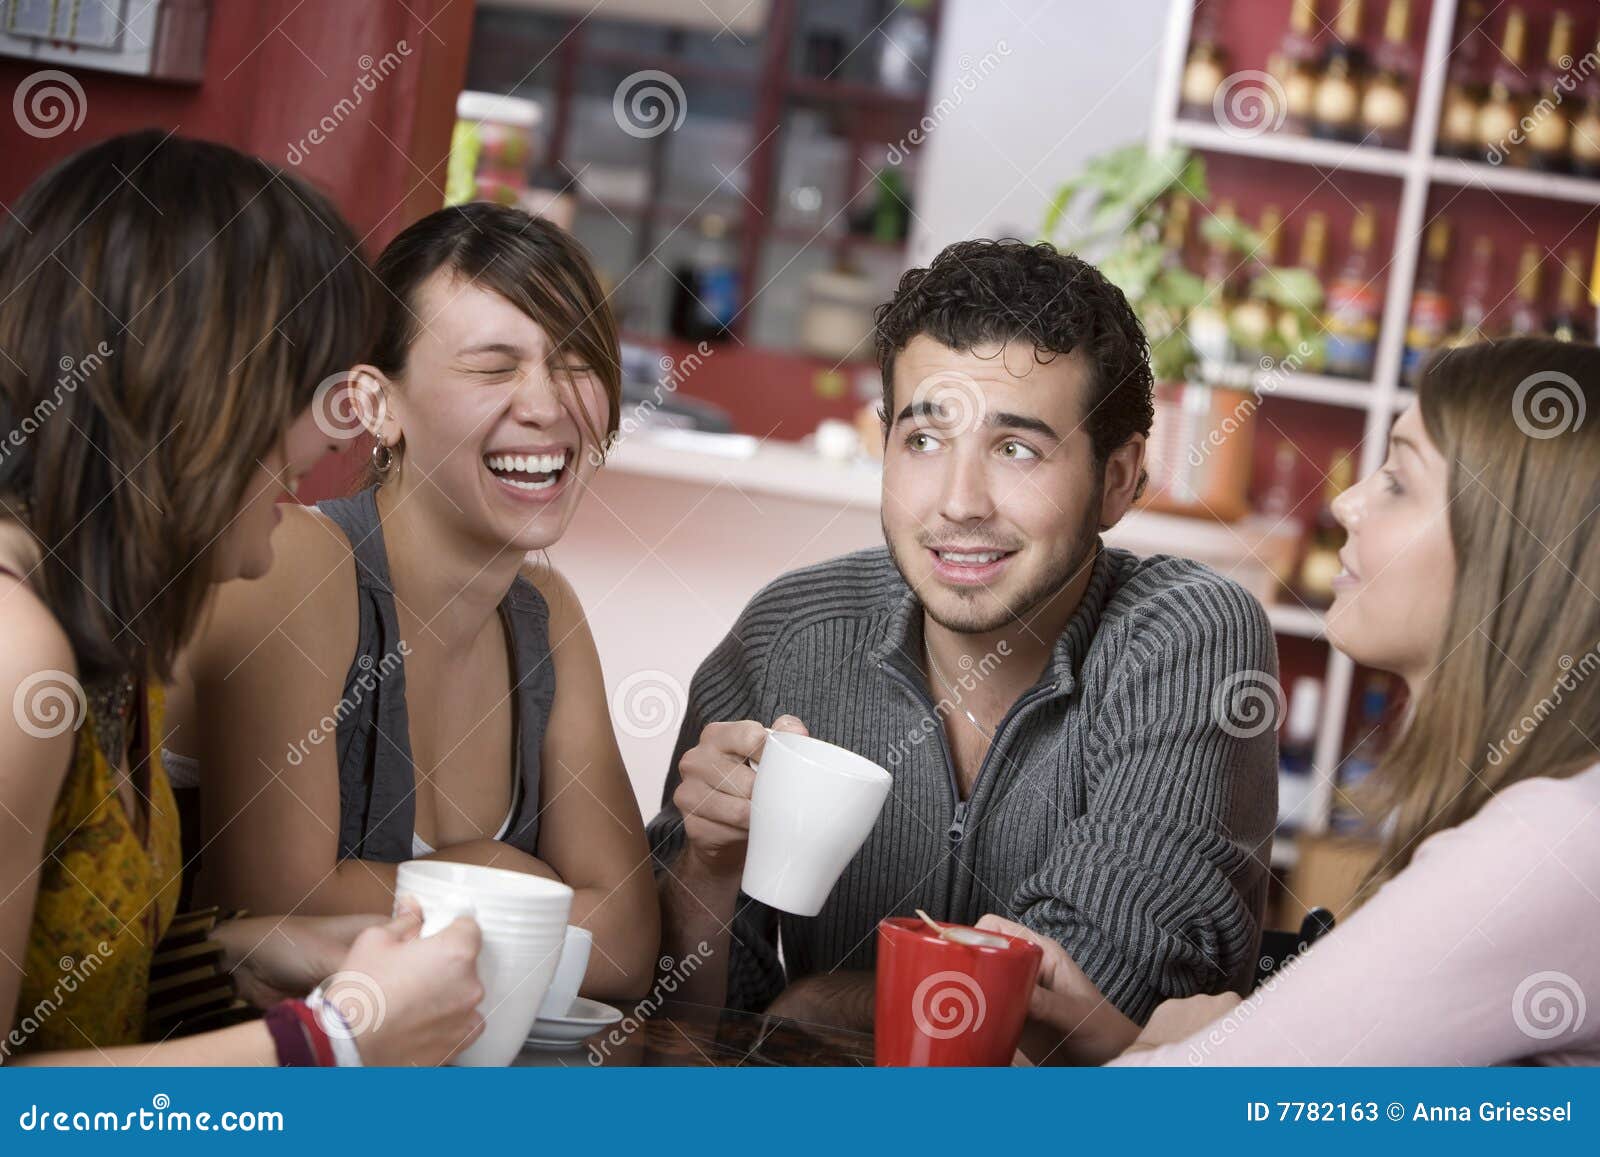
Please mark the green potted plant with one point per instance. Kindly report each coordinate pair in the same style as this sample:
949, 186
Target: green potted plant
1127, 212
1116, 213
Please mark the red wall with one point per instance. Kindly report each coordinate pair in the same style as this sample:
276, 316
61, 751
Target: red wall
274, 69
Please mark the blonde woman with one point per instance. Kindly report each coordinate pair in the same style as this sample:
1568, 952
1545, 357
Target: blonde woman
1472, 570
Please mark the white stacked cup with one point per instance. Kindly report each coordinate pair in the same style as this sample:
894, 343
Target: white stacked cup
524, 923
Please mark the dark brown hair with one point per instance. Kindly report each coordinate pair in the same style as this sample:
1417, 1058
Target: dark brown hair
1516, 692
978, 292
167, 308
535, 265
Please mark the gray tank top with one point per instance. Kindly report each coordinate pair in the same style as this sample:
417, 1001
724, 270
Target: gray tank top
377, 778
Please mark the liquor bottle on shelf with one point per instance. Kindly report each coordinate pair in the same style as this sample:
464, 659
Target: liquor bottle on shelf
1364, 757
1291, 328
1296, 778
1208, 321
1527, 318
1294, 64
1386, 106
1254, 316
1584, 143
705, 291
1175, 233
1206, 67
1319, 562
1572, 320
1477, 296
1464, 89
1431, 307
1503, 108
1281, 503
1548, 129
1336, 111
1355, 301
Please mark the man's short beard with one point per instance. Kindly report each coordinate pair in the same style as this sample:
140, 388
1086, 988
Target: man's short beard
1059, 572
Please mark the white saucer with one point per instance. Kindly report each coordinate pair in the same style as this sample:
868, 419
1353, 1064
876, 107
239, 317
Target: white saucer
585, 1018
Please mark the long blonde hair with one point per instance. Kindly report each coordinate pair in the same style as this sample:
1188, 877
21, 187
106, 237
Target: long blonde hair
1516, 692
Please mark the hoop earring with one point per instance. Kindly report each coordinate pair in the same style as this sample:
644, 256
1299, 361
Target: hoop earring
382, 459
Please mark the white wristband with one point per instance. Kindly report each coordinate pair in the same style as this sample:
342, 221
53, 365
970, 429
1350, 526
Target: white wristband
340, 1036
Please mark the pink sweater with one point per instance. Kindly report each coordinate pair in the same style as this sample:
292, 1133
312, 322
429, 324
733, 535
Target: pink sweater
1485, 950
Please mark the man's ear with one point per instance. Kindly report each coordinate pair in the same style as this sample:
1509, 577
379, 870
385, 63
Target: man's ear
1124, 480
370, 394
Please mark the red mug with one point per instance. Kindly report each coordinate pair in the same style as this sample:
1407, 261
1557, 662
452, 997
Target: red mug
940, 1002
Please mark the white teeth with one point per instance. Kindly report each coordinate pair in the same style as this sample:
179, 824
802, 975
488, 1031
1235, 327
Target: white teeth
527, 464
545, 485
982, 559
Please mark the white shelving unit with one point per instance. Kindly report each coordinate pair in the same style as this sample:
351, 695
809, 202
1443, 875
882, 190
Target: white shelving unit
1417, 170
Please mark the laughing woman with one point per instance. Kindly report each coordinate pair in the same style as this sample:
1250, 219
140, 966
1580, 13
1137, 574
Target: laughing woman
1472, 570
404, 683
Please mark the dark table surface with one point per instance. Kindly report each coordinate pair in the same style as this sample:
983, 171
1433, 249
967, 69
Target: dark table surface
677, 1034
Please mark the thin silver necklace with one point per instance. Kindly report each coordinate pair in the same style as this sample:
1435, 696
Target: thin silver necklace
927, 649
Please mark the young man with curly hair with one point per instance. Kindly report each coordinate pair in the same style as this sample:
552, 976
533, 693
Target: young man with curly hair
1043, 701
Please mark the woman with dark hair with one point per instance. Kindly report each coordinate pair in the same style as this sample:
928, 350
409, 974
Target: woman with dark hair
1471, 570
167, 308
471, 720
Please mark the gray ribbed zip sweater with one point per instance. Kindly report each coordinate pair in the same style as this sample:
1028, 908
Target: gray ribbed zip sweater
1125, 806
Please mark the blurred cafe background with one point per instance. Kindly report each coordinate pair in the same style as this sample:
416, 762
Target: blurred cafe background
1302, 198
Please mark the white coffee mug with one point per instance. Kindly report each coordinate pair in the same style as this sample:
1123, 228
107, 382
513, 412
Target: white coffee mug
569, 975
812, 808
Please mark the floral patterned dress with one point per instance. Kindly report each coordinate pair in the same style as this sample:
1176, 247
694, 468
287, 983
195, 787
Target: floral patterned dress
107, 893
